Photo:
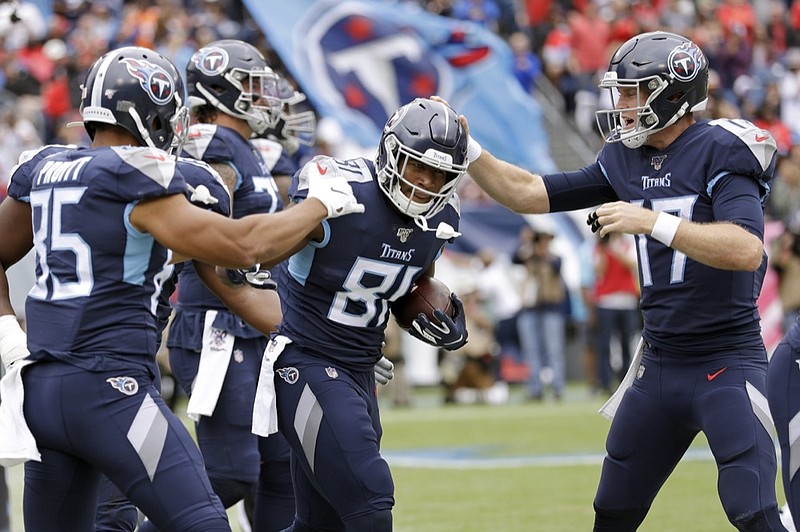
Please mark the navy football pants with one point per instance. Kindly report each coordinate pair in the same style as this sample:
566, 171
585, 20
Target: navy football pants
113, 423
329, 416
672, 400
783, 392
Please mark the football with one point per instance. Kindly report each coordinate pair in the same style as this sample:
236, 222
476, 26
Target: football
427, 295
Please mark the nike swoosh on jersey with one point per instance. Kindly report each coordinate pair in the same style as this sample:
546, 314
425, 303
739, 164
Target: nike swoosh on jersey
712, 376
322, 169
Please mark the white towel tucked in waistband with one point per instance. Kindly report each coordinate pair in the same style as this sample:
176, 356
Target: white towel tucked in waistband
215, 356
609, 409
17, 444
265, 412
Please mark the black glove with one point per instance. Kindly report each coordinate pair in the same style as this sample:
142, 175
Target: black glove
253, 276
592, 222
450, 334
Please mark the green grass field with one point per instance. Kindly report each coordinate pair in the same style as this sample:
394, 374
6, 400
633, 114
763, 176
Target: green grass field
515, 467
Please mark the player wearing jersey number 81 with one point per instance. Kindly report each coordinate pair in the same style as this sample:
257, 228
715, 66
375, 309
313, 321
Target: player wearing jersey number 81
336, 294
692, 193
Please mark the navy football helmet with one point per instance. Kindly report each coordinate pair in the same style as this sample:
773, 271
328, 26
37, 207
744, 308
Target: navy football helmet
139, 90
669, 73
234, 77
428, 132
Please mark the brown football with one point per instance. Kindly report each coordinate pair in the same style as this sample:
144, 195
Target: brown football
425, 296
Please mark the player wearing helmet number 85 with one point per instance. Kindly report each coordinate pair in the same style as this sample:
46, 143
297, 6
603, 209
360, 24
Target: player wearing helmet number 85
336, 295
692, 194
103, 221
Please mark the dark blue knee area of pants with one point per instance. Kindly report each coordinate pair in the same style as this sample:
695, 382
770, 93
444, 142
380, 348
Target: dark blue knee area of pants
763, 521
231, 491
625, 520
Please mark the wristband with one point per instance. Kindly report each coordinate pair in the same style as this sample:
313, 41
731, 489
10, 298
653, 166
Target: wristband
474, 150
665, 228
13, 341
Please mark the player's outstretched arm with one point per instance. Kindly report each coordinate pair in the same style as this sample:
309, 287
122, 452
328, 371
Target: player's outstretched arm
260, 308
509, 185
232, 243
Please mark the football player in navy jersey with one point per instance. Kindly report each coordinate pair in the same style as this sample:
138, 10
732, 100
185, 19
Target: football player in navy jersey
102, 221
336, 294
692, 193
234, 94
783, 394
281, 146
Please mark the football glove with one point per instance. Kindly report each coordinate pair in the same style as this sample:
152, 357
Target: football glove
593, 222
332, 190
384, 371
253, 276
13, 341
450, 334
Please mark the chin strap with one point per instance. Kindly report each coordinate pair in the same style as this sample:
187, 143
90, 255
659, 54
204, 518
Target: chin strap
444, 231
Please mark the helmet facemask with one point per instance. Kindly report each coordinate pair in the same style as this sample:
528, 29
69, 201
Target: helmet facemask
632, 125
391, 179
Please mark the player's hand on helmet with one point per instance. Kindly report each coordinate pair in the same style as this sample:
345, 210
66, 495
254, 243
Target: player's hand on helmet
384, 370
332, 190
449, 333
253, 276
13, 341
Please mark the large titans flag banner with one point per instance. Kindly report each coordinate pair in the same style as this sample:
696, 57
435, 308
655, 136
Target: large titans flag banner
359, 60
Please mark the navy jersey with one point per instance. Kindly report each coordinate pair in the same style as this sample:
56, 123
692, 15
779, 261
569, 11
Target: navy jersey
275, 157
255, 192
715, 171
336, 293
97, 278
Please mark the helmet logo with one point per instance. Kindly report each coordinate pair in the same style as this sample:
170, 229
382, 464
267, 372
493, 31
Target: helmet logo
685, 61
211, 61
155, 81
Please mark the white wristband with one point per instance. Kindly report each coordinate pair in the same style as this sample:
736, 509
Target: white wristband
474, 150
13, 341
665, 228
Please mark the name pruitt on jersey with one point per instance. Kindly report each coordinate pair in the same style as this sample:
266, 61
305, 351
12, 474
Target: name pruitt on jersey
60, 171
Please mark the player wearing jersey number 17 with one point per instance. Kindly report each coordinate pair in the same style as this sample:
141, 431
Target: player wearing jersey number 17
692, 193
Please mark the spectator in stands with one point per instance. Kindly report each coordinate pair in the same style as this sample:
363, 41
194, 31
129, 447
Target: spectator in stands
784, 202
541, 322
527, 66
785, 260
616, 302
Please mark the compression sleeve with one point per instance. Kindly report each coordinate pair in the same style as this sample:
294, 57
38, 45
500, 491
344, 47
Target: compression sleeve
587, 187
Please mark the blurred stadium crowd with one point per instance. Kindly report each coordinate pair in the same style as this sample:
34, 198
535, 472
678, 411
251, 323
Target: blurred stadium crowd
753, 49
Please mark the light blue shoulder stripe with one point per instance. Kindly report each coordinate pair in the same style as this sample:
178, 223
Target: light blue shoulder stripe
603, 169
713, 182
138, 246
300, 263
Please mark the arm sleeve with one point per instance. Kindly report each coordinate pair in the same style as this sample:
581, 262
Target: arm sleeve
587, 187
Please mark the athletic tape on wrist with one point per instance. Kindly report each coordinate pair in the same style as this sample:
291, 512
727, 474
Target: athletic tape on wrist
474, 150
665, 228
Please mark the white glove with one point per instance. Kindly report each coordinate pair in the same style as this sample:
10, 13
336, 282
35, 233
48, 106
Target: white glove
384, 371
13, 342
333, 191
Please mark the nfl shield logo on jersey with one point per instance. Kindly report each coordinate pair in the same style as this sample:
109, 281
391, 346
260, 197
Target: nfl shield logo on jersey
126, 385
403, 233
332, 373
657, 160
